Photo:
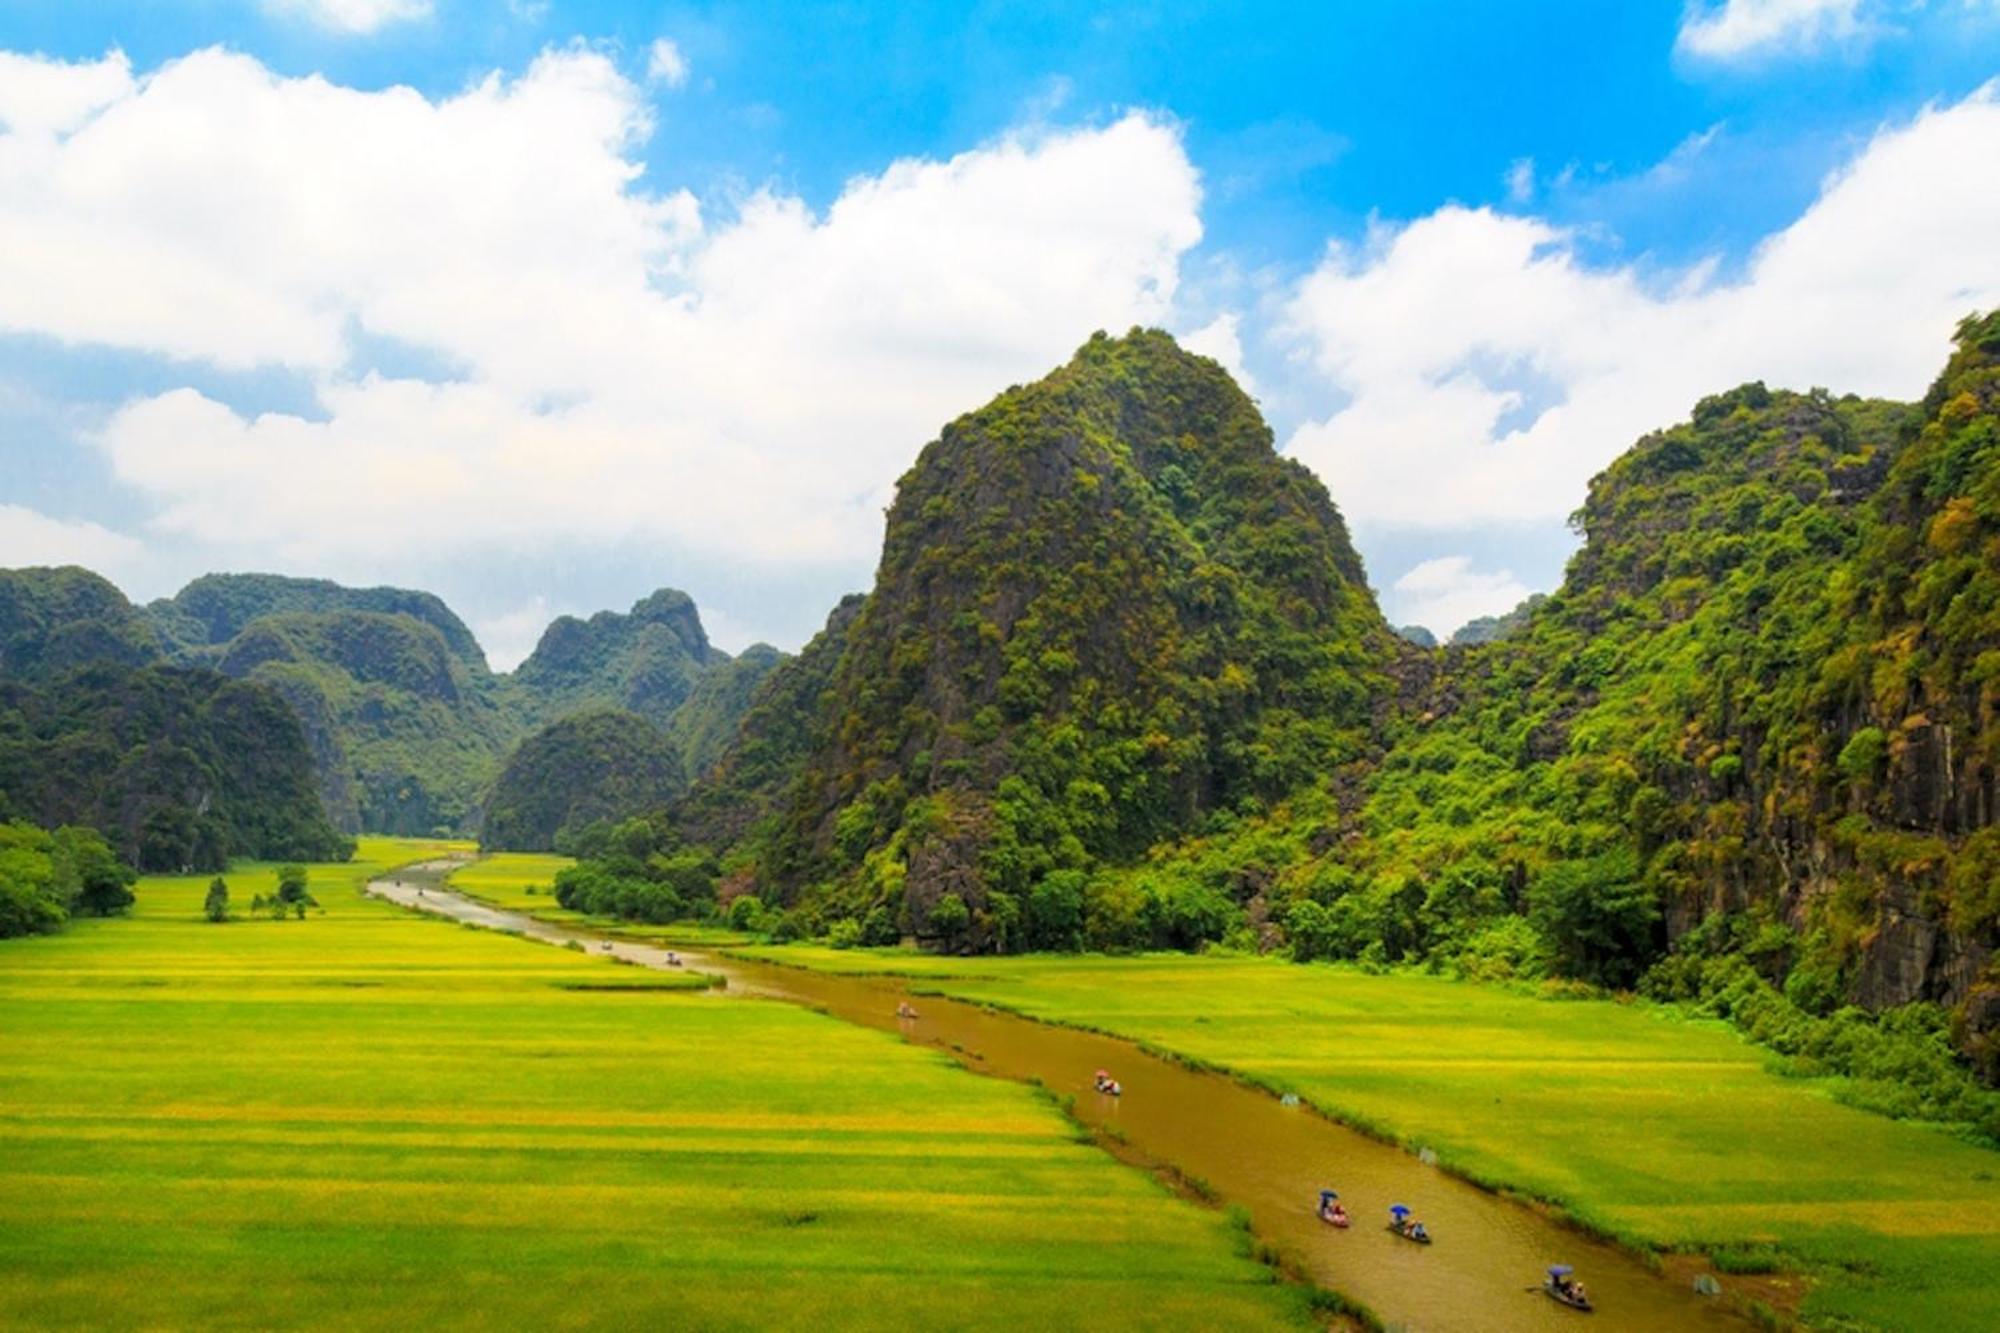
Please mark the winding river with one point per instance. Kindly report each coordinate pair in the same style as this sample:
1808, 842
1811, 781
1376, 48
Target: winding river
1243, 1144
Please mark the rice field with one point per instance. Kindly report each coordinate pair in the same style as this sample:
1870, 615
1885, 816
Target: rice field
374, 1120
1662, 1130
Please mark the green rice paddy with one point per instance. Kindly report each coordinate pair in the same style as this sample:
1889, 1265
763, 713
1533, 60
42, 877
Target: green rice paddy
373, 1120
1662, 1130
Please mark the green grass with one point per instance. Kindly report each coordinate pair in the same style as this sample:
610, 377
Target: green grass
1662, 1130
376, 1120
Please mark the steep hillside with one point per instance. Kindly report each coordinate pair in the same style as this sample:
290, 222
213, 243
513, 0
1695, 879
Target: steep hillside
52, 620
178, 769
647, 662
1755, 726
1106, 610
405, 735
706, 721
215, 608
737, 799
593, 765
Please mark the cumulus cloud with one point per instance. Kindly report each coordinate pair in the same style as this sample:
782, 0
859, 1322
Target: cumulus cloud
352, 16
1222, 338
31, 538
1485, 371
1442, 594
625, 362
1739, 28
665, 63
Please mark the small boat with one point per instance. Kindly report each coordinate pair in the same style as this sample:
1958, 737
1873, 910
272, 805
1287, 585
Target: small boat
1330, 1211
1558, 1288
1107, 1085
1402, 1224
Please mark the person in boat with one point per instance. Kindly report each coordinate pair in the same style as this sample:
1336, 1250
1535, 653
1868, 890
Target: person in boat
904, 1009
673, 959
1330, 1209
1417, 1231
1107, 1084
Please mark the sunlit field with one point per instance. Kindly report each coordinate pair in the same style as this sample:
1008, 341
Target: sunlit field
1662, 1130
375, 1120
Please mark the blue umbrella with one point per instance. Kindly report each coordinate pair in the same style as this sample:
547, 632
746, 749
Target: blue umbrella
1325, 1195
1560, 1270
1398, 1209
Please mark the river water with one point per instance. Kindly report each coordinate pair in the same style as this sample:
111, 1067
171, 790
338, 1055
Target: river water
1482, 1273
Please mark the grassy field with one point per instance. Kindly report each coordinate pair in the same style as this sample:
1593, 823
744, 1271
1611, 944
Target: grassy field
375, 1120
1663, 1130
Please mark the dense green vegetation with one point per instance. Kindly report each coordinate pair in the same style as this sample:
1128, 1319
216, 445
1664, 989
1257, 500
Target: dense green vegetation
47, 877
1120, 686
381, 1121
54, 620
646, 662
706, 721
178, 769
1106, 611
586, 767
407, 727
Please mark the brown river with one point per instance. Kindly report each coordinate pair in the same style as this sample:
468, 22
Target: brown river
1481, 1273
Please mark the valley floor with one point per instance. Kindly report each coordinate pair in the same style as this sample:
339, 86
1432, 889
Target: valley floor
375, 1120
1659, 1129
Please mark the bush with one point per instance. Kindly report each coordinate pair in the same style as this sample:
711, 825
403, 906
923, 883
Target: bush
1602, 923
844, 933
746, 913
878, 928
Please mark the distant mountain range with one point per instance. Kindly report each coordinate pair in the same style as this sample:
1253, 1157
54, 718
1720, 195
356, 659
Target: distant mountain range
407, 730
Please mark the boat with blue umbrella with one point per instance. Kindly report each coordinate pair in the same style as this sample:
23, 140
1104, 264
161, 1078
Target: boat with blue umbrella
1330, 1210
1563, 1288
1403, 1224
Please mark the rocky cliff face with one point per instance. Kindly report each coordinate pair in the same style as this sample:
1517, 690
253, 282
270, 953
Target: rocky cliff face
1105, 608
1771, 675
647, 661
55, 619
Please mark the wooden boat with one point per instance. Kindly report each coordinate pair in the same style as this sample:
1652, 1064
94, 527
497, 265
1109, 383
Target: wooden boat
1423, 1239
1561, 1297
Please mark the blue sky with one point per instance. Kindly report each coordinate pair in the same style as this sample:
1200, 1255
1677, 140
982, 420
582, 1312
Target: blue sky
1587, 172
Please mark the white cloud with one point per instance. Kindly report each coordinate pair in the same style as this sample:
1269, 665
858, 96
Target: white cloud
48, 97
746, 386
510, 636
1520, 180
1444, 593
1737, 29
1485, 371
31, 538
665, 63
1222, 339
352, 16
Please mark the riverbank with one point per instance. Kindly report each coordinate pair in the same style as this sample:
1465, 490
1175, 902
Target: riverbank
1666, 1132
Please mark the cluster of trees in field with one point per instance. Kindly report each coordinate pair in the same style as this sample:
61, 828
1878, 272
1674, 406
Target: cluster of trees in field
638, 870
47, 877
